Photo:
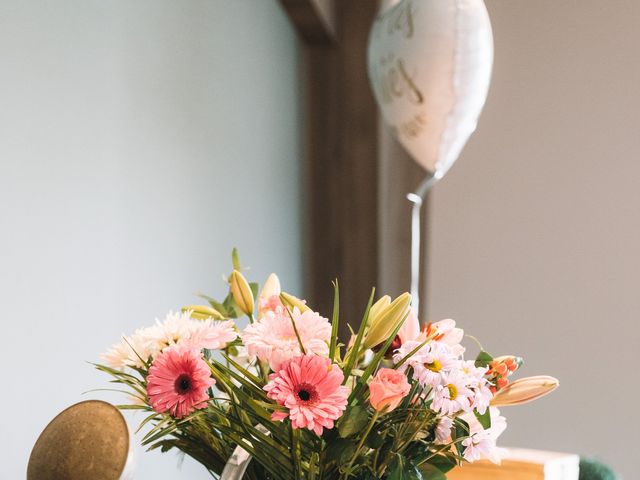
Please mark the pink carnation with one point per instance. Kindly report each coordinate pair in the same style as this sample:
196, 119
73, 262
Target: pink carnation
311, 389
178, 381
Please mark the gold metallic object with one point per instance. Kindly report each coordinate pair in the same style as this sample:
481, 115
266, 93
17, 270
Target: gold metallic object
89, 440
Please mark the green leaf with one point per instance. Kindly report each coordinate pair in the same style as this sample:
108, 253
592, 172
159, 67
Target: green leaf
254, 289
230, 307
335, 320
402, 469
483, 359
353, 421
431, 472
374, 440
340, 450
444, 463
354, 351
485, 419
235, 259
313, 466
410, 354
215, 304
462, 431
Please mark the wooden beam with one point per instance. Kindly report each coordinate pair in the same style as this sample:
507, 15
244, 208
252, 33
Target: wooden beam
342, 163
315, 20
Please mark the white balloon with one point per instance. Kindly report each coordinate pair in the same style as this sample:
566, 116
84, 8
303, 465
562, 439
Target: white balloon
430, 67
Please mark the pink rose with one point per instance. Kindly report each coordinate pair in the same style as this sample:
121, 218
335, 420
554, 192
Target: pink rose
387, 389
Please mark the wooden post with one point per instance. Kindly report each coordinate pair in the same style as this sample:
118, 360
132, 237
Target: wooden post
342, 169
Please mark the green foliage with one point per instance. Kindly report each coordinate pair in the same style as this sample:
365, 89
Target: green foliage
484, 419
483, 359
403, 469
353, 421
592, 469
431, 472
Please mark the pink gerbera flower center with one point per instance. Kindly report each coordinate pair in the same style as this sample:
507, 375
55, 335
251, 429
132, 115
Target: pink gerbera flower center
183, 384
307, 393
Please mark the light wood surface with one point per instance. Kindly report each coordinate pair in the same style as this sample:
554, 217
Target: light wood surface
522, 464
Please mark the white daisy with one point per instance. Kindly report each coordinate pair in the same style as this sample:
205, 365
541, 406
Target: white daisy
483, 443
452, 395
476, 381
429, 363
443, 430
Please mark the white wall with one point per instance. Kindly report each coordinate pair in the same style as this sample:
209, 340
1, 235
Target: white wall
139, 142
535, 239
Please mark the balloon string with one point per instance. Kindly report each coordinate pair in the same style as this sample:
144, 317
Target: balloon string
417, 198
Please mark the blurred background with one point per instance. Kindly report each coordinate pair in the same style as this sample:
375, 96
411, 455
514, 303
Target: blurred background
141, 141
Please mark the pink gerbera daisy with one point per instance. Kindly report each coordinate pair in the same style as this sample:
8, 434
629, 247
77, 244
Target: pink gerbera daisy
310, 387
178, 381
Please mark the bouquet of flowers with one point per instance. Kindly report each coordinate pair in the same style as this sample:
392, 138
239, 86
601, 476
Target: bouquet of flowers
282, 398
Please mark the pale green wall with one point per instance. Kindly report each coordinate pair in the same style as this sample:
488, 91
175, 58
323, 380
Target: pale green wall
139, 142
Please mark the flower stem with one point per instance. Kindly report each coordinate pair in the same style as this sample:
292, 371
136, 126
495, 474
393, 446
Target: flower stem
294, 453
362, 440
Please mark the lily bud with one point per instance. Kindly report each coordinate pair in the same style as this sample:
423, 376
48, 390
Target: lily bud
378, 307
270, 289
241, 292
291, 302
385, 320
203, 312
525, 390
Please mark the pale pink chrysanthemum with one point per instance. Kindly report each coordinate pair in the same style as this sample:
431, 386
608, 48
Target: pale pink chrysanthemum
209, 334
273, 339
310, 387
119, 356
131, 351
178, 381
169, 332
270, 304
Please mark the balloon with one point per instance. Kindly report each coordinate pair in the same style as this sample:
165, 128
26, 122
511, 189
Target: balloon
430, 66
